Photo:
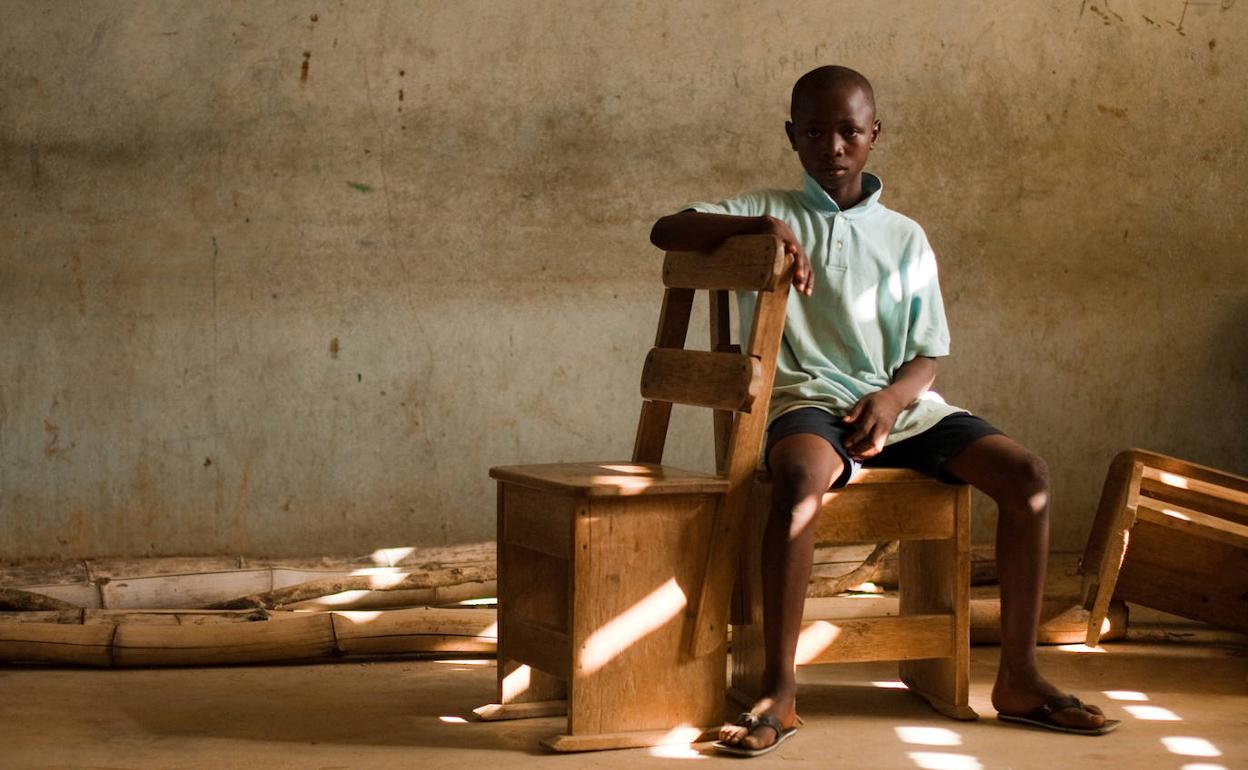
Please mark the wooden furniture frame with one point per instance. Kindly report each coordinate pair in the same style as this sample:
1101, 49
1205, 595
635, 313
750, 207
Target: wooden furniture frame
600, 565
931, 634
1171, 535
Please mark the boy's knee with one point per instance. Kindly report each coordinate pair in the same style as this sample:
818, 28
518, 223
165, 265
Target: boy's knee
1031, 483
795, 479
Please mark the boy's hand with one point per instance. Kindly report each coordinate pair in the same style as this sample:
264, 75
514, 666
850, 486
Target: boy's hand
803, 276
872, 418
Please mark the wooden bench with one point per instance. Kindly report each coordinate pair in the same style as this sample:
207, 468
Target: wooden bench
931, 634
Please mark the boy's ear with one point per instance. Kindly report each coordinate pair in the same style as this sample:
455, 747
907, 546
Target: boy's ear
788, 129
875, 131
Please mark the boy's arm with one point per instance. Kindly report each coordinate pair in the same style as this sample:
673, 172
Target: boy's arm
691, 230
874, 415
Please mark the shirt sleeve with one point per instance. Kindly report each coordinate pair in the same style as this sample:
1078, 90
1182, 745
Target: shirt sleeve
749, 204
927, 332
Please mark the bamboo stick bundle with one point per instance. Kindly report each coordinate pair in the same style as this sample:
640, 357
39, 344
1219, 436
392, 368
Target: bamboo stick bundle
388, 581
109, 639
181, 582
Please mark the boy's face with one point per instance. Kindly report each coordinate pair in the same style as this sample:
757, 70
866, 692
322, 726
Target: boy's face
832, 132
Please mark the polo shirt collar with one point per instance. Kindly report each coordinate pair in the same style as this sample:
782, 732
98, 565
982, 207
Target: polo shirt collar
819, 200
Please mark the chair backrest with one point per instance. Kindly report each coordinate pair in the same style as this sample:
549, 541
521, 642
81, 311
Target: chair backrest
734, 383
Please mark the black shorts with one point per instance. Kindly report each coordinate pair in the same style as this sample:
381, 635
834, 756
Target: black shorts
925, 452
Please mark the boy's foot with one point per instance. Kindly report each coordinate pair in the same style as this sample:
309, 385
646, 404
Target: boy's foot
1022, 695
754, 735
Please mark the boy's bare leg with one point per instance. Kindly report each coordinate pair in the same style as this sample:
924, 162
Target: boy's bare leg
1018, 481
803, 467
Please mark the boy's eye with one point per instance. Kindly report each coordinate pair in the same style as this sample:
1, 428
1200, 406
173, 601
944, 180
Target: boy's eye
813, 133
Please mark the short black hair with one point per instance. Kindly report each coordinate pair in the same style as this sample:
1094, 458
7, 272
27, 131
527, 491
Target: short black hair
826, 78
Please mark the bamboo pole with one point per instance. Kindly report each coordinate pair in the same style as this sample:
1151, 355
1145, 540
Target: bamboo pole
125, 639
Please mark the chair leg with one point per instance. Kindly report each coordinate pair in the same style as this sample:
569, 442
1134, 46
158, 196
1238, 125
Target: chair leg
935, 580
1121, 494
748, 660
524, 692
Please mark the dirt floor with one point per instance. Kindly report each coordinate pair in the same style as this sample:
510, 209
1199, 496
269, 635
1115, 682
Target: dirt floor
1179, 688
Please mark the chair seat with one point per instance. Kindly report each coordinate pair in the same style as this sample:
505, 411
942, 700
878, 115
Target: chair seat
611, 479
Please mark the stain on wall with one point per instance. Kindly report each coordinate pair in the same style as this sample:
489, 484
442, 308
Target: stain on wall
179, 243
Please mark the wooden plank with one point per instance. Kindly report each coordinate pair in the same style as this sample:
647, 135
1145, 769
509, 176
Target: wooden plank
1107, 543
909, 511
702, 378
743, 262
520, 684
1186, 574
632, 581
1212, 481
538, 520
535, 645
1194, 523
894, 637
610, 479
652, 431
1199, 485
935, 578
497, 712
1195, 499
721, 342
629, 740
531, 584
655, 415
537, 590
723, 548
748, 660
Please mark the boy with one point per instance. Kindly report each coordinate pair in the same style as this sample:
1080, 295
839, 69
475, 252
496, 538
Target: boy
864, 328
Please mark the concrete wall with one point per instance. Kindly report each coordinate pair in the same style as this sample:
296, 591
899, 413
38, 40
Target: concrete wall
285, 279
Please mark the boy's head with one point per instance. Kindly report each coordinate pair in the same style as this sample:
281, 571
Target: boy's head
833, 125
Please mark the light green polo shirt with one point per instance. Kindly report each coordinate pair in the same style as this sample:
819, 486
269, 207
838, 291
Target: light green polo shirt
876, 302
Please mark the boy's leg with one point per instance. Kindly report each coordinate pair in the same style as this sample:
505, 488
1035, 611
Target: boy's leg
1018, 481
803, 467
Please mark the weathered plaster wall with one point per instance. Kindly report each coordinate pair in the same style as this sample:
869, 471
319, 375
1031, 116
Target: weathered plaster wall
287, 279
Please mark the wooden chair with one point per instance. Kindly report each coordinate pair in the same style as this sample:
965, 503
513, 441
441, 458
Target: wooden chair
1171, 535
931, 634
600, 565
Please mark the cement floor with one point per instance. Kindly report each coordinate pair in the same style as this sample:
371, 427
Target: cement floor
1181, 691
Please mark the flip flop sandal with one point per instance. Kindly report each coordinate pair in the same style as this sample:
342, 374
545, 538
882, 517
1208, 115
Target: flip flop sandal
1042, 716
751, 722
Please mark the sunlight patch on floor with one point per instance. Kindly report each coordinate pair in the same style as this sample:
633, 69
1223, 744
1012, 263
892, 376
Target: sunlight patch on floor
935, 760
1080, 648
678, 744
928, 736
1152, 713
1189, 746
